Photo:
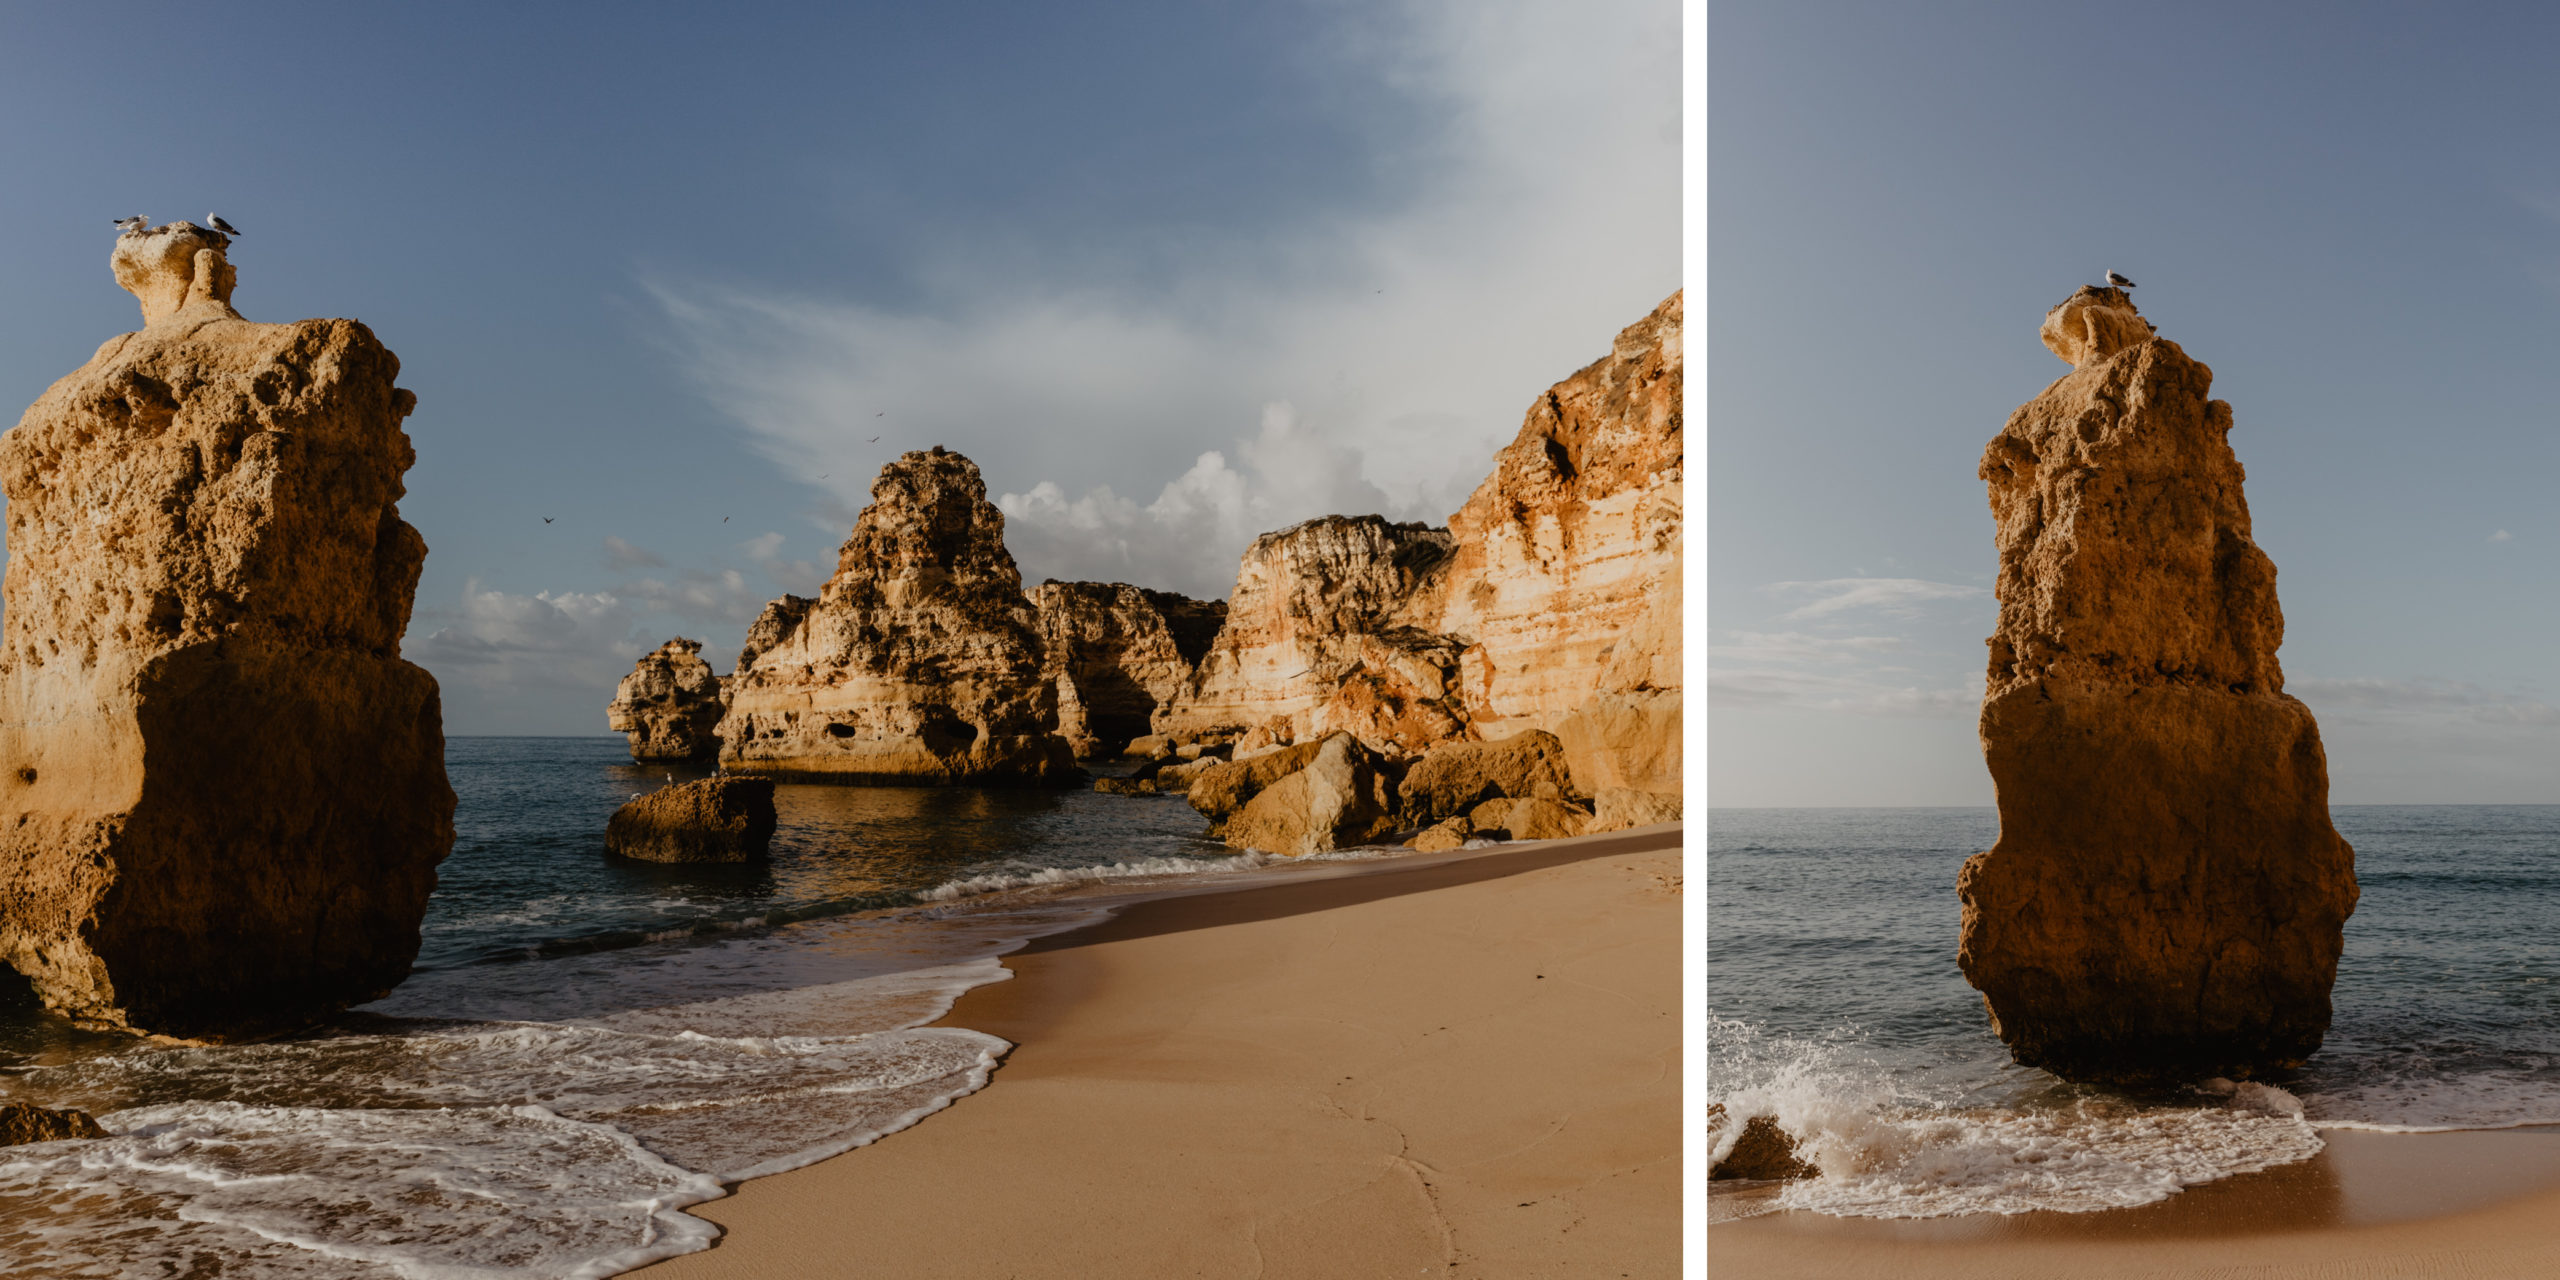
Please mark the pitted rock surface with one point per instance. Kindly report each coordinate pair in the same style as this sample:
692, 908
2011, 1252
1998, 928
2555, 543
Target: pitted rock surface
670, 705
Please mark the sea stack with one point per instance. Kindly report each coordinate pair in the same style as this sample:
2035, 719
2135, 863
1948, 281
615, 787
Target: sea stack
670, 705
919, 662
222, 792
2167, 896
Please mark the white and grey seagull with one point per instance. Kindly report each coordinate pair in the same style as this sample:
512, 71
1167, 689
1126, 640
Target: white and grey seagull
2118, 282
133, 224
229, 230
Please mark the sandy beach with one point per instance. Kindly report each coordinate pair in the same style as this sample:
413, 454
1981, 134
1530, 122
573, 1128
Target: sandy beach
1464, 1067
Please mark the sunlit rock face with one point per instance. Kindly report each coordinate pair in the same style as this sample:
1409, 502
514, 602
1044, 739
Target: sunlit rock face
1564, 579
222, 792
2167, 898
1117, 654
1328, 630
919, 662
670, 705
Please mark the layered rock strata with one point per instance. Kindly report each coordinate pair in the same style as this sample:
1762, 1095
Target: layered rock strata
1564, 575
670, 704
711, 820
1117, 654
1330, 629
2167, 896
920, 660
222, 792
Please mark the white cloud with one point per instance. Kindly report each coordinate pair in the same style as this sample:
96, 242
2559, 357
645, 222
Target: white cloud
2368, 699
621, 556
1842, 674
2501, 536
1893, 597
1406, 342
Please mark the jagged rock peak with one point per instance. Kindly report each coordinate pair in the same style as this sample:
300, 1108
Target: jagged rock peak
2167, 897
177, 268
920, 660
222, 792
2093, 324
670, 704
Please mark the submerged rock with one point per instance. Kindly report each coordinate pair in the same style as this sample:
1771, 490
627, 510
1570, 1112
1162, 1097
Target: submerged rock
670, 704
1122, 653
21, 1123
920, 661
712, 820
2167, 897
222, 792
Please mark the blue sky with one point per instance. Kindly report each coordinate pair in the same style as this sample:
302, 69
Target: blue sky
1173, 274
2350, 212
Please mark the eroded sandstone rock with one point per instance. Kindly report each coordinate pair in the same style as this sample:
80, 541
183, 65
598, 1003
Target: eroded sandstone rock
919, 662
670, 704
222, 792
1330, 628
1619, 808
1342, 796
1762, 1151
1459, 776
710, 820
22, 1123
1122, 653
1443, 836
1225, 786
2167, 896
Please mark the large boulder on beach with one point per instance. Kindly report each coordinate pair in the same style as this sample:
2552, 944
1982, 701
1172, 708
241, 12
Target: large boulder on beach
712, 820
1458, 776
1117, 655
22, 1123
1761, 1151
222, 792
2167, 897
670, 705
919, 662
1341, 796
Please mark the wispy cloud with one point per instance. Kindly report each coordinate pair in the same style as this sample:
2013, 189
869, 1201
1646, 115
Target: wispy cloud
1892, 597
2366, 698
1845, 674
2501, 536
621, 556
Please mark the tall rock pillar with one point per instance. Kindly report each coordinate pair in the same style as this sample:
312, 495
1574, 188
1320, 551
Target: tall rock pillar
222, 792
2167, 895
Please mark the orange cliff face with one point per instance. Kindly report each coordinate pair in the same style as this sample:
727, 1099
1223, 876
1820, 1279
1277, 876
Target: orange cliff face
2167, 898
1564, 582
222, 790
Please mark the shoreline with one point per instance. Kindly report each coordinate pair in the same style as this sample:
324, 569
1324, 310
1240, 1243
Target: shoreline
1334, 1076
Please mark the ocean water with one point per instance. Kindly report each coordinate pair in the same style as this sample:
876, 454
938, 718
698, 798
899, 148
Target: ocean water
587, 1046
1836, 1008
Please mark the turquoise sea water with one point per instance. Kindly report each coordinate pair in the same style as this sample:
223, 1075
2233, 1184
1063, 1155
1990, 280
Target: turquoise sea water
587, 1045
1838, 1009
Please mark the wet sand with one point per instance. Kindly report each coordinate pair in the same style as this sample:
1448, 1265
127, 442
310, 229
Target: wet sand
1462, 1066
2370, 1206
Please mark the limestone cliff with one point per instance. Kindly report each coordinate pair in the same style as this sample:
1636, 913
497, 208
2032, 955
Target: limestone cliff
1329, 629
1564, 578
919, 662
2167, 896
670, 704
1118, 653
222, 792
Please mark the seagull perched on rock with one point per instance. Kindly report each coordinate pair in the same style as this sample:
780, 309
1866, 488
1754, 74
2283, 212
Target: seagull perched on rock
219, 225
2115, 281
133, 224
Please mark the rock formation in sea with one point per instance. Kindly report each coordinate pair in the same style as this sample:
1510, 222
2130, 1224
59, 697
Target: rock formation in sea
670, 704
1564, 578
2167, 896
22, 1123
710, 820
919, 662
222, 792
1329, 629
1117, 654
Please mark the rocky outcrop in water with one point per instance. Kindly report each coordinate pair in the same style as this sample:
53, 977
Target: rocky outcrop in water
670, 704
2167, 897
919, 662
222, 792
1564, 577
22, 1123
1328, 630
1117, 654
710, 820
